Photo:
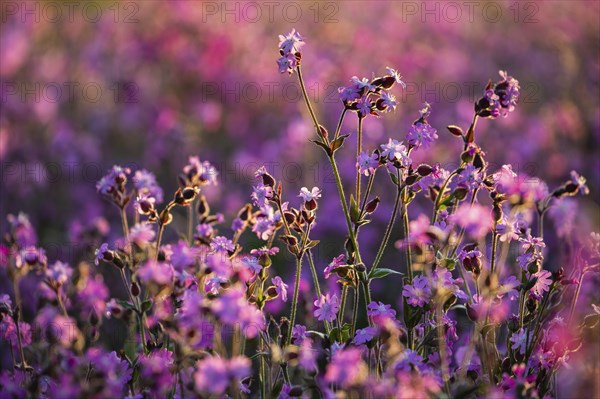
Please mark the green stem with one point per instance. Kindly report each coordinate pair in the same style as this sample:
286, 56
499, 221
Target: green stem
388, 230
294, 300
339, 125
575, 298
494, 245
355, 311
315, 276
406, 227
307, 101
358, 151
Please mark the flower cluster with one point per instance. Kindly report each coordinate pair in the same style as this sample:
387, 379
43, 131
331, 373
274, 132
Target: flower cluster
209, 310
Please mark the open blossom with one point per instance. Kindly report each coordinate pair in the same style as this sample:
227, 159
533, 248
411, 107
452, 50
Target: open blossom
419, 293
530, 242
519, 340
280, 287
367, 163
145, 184
156, 272
499, 98
475, 219
141, 234
59, 273
388, 102
379, 309
289, 46
394, 150
396, 75
261, 195
339, 372
213, 374
197, 173
580, 183
327, 307
299, 333
364, 335
22, 232
221, 243
307, 195
335, 263
421, 134
543, 282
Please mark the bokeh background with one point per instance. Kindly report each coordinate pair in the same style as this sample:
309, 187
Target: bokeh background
146, 84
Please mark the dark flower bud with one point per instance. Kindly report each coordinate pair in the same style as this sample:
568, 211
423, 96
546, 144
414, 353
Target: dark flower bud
455, 130
411, 179
268, 180
513, 324
372, 205
360, 268
478, 161
271, 292
472, 313
290, 240
424, 170
310, 205
295, 392
290, 218
135, 289
323, 132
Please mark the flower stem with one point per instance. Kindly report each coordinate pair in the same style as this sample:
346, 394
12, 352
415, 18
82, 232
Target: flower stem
355, 311
358, 151
305, 95
294, 300
406, 227
388, 230
494, 245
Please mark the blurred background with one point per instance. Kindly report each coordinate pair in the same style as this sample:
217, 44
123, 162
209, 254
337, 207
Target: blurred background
146, 84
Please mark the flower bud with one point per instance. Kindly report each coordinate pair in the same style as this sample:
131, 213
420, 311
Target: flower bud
310, 205
424, 170
203, 208
455, 130
372, 205
135, 289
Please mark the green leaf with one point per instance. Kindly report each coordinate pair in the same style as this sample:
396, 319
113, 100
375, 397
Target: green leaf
276, 388
126, 304
381, 272
394, 178
323, 146
338, 143
146, 305
354, 211
312, 244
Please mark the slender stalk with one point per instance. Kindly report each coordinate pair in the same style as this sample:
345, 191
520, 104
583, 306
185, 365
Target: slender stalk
339, 125
494, 245
263, 371
575, 298
438, 199
355, 311
17, 292
406, 227
61, 304
294, 300
366, 198
358, 151
313, 271
190, 222
305, 95
388, 230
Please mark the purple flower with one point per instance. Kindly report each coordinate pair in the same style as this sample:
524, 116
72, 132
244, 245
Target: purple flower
388, 101
156, 273
144, 204
349, 94
251, 263
113, 184
280, 287
338, 370
419, 293
507, 229
443, 281
410, 360
291, 43
364, 106
212, 375
530, 242
31, 256
394, 150
196, 173
299, 334
327, 307
469, 178
543, 282
103, 253
579, 181
307, 195
141, 234
261, 195
379, 309
364, 335
22, 231
421, 134
563, 213
264, 251
222, 244
264, 227
396, 75
335, 263
155, 372
475, 219
519, 340
508, 287
59, 273
113, 371
145, 183
183, 256
367, 163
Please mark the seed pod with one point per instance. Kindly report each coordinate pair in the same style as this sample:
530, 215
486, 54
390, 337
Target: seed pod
135, 289
455, 130
268, 180
424, 170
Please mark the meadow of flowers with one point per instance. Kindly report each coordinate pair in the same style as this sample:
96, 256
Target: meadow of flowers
422, 263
